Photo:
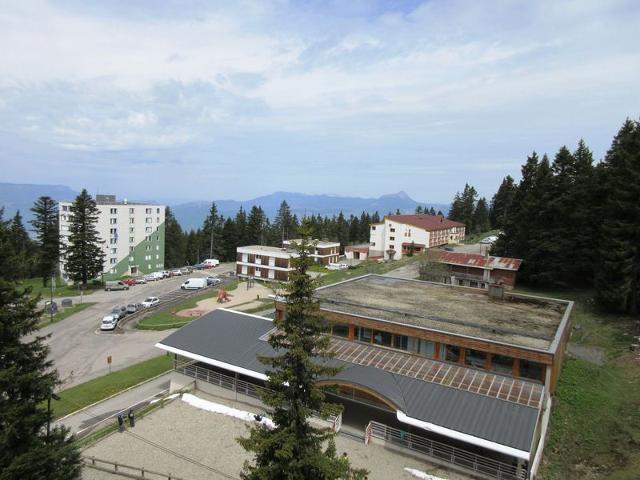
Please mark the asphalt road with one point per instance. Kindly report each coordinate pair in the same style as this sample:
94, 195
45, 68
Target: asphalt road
79, 349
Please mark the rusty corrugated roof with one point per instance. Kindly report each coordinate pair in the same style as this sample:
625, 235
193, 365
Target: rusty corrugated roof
478, 261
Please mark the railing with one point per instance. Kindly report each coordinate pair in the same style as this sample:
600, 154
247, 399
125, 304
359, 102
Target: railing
481, 465
126, 470
236, 385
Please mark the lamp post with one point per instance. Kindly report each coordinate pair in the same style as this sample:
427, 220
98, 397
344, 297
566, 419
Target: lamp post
55, 397
53, 279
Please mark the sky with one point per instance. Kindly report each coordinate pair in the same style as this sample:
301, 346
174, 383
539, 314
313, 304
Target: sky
199, 100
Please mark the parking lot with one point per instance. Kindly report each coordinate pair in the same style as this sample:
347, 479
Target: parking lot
80, 350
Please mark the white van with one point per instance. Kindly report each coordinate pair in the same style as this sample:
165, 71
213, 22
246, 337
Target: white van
211, 262
194, 284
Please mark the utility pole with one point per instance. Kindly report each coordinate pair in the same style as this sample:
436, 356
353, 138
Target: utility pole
211, 244
53, 279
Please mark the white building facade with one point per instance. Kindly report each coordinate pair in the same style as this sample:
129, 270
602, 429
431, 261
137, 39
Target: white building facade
264, 263
399, 235
133, 236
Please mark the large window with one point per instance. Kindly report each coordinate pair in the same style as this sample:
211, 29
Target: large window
424, 347
401, 342
532, 370
382, 338
363, 334
340, 330
502, 364
450, 353
474, 358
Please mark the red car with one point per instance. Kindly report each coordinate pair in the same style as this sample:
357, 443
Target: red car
129, 281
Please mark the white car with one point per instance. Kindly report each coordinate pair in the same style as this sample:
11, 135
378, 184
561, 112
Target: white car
489, 240
176, 273
150, 301
337, 266
110, 322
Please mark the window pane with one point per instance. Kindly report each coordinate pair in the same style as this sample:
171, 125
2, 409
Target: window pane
532, 370
382, 338
474, 358
401, 342
363, 334
502, 364
451, 353
426, 348
340, 330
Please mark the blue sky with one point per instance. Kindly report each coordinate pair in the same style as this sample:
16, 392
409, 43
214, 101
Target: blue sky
202, 100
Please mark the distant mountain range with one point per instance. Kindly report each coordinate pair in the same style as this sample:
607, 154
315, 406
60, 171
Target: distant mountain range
191, 215
15, 196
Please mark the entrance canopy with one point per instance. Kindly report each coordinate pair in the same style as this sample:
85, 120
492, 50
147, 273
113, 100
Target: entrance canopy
232, 340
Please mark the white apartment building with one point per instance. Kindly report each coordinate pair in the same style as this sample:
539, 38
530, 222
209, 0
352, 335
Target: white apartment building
133, 235
397, 235
323, 252
264, 263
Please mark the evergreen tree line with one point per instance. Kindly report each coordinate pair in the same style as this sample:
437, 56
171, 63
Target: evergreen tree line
576, 223
30, 447
473, 212
219, 237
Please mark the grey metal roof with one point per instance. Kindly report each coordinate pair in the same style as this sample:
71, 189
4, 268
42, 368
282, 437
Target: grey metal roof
233, 338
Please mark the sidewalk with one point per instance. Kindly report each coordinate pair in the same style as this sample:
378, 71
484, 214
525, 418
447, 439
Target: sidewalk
84, 419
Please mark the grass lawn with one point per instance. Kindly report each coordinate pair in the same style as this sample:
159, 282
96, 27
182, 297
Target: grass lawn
61, 289
80, 396
367, 267
594, 431
166, 319
64, 313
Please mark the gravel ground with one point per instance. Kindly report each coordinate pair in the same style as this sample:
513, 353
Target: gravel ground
179, 430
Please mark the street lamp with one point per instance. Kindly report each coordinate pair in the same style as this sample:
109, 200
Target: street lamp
55, 397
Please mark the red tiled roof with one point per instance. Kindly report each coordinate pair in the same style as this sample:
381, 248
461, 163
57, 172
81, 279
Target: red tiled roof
427, 222
478, 261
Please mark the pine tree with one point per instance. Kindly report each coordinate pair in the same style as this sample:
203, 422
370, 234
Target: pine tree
174, 245
229, 240
45, 225
480, 219
211, 234
419, 209
241, 228
284, 223
256, 226
26, 383
618, 271
501, 202
84, 255
22, 247
7, 255
294, 449
433, 212
456, 210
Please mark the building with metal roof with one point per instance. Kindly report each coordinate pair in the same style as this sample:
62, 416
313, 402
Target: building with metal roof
490, 417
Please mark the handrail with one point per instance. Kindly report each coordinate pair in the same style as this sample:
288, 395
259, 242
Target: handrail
137, 472
471, 461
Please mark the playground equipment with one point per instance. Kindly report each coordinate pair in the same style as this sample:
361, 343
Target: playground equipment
223, 296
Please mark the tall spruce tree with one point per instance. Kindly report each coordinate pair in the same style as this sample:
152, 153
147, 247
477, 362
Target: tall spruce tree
501, 203
84, 257
174, 244
26, 382
46, 228
294, 449
211, 234
283, 224
22, 247
256, 221
480, 218
618, 271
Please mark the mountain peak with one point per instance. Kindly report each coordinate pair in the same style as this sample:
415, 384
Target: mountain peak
401, 195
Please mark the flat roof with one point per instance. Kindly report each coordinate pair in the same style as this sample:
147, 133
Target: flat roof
265, 249
233, 340
519, 320
317, 243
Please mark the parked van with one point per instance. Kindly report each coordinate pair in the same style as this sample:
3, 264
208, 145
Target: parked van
211, 262
115, 285
194, 284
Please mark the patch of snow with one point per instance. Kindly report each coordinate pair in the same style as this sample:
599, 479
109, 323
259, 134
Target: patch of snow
224, 410
421, 474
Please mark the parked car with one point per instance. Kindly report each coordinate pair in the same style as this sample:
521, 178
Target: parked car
186, 270
165, 274
213, 280
489, 240
176, 273
133, 307
130, 281
110, 322
115, 285
199, 266
211, 262
194, 284
119, 312
449, 249
337, 266
150, 301
141, 280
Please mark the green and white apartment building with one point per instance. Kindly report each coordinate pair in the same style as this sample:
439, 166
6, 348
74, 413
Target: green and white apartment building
133, 236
